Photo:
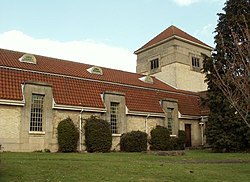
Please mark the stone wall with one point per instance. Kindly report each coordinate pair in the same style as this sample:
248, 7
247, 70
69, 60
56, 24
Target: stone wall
36, 140
181, 76
10, 117
175, 64
195, 130
59, 115
14, 137
143, 123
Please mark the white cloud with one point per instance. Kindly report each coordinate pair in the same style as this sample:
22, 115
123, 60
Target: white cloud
185, 2
189, 2
87, 51
205, 32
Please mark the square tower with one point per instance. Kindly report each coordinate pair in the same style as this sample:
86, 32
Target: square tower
174, 57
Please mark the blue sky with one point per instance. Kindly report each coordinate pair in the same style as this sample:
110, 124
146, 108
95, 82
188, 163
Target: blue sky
100, 32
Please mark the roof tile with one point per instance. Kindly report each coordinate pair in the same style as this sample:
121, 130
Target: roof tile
171, 32
73, 85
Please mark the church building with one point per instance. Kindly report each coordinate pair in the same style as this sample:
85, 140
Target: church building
38, 92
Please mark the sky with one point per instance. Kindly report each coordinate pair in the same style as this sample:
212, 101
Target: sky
100, 32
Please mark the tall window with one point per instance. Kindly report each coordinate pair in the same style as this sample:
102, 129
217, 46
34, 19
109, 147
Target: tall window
195, 62
114, 115
36, 113
154, 63
170, 120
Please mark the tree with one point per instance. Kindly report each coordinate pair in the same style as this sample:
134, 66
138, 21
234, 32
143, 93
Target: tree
225, 131
227, 100
231, 59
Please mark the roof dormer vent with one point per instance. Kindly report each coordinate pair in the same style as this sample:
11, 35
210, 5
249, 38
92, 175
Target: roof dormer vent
95, 70
28, 58
147, 79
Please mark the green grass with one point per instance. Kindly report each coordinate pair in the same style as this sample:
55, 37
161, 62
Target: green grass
193, 166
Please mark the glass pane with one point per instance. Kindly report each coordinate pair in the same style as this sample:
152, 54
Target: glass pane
114, 116
36, 112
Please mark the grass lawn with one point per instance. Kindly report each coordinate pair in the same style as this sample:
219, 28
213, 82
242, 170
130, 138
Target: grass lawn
195, 165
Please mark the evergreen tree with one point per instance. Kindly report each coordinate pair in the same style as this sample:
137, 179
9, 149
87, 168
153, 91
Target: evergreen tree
225, 130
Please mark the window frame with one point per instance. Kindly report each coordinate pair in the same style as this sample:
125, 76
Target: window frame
195, 62
114, 117
170, 120
154, 64
36, 113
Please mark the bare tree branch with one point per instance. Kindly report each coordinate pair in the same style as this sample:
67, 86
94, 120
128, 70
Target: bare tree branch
233, 75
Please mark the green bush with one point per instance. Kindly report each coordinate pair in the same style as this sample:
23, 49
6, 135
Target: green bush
178, 143
134, 141
181, 140
98, 136
68, 136
160, 138
174, 143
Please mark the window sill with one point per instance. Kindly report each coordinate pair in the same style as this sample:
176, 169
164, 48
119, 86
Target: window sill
196, 69
37, 132
155, 70
116, 135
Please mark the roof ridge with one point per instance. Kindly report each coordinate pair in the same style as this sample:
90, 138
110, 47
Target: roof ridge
173, 29
170, 32
56, 58
66, 60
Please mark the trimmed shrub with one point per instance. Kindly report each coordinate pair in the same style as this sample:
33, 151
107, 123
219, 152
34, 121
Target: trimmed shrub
98, 136
134, 141
68, 136
178, 143
173, 143
160, 138
181, 140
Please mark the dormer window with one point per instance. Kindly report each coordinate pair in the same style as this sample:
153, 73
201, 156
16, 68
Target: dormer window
147, 79
95, 70
28, 58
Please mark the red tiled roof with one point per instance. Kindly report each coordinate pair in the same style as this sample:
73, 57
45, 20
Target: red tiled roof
73, 85
171, 32
57, 66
